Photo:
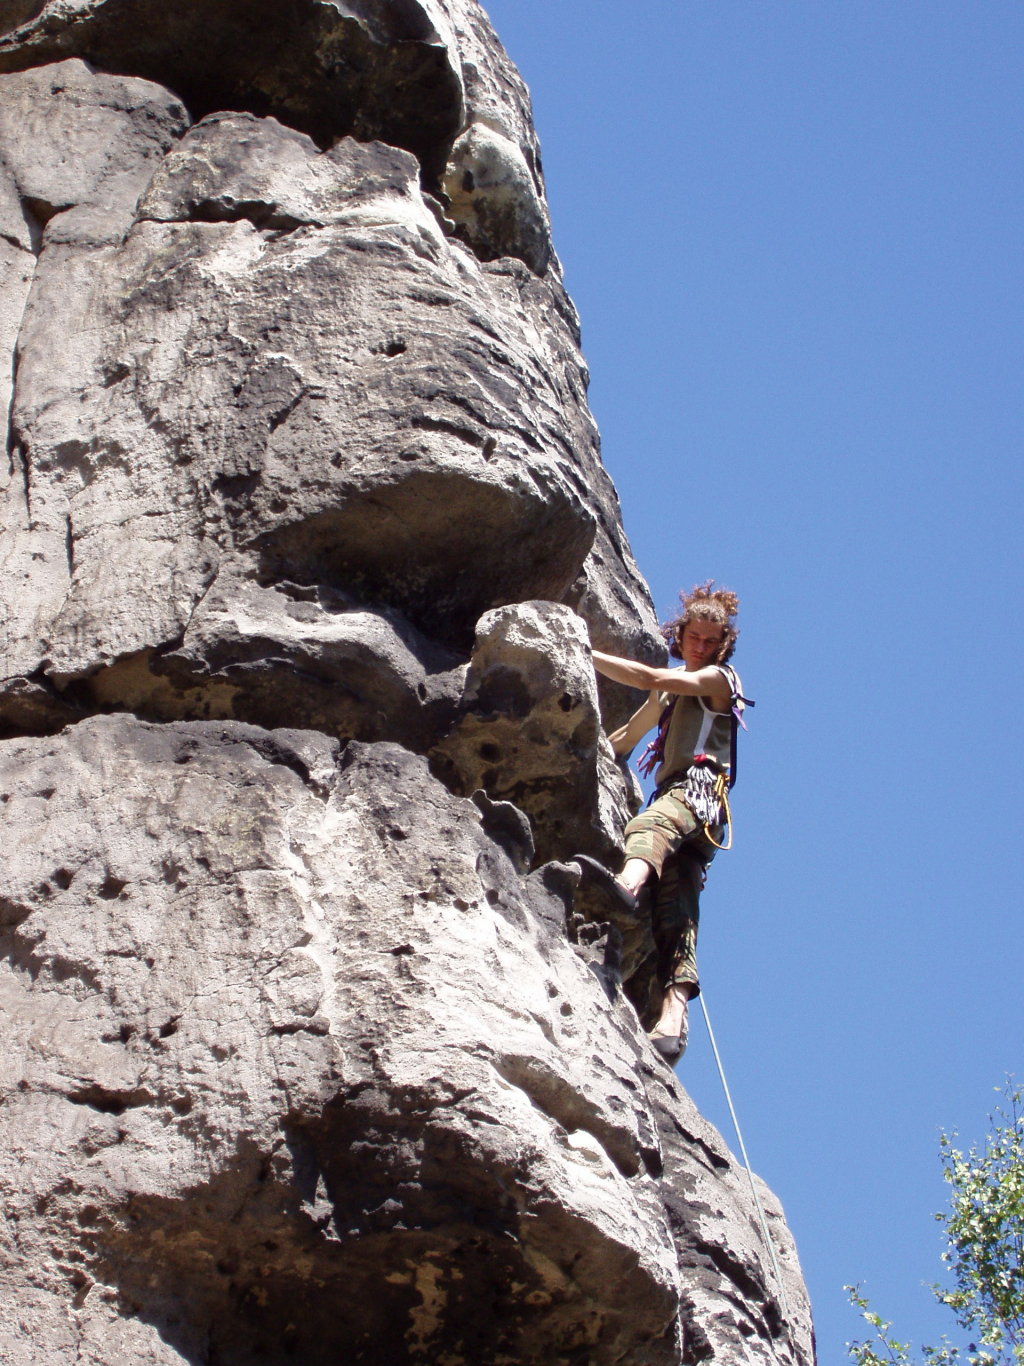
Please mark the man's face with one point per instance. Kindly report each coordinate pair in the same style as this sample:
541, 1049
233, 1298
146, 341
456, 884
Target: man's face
702, 641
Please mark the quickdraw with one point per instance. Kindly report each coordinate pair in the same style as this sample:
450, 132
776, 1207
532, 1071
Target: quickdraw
722, 785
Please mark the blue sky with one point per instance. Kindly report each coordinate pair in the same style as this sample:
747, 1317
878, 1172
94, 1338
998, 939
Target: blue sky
793, 232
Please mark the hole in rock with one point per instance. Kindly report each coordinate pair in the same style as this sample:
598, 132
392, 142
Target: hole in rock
236, 488
115, 374
37, 214
504, 691
109, 1102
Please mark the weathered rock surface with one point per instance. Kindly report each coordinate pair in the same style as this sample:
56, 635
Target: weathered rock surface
529, 732
414, 73
282, 371
302, 656
297, 1066
365, 67
312, 1047
495, 200
78, 151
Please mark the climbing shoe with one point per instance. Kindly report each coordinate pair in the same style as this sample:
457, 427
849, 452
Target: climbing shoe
671, 1047
599, 897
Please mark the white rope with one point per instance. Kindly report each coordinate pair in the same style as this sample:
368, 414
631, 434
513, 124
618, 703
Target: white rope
746, 1160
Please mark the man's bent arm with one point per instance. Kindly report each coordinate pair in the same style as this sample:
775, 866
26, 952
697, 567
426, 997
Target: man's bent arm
708, 682
627, 737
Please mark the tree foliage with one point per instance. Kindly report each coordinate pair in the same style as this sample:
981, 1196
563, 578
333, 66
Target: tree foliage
984, 1229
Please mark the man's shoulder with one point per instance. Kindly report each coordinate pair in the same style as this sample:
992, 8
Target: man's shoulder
732, 677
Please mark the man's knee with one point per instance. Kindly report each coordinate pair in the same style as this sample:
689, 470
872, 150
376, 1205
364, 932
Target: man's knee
653, 837
648, 841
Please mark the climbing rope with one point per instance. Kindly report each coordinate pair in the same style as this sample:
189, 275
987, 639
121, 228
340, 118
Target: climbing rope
746, 1160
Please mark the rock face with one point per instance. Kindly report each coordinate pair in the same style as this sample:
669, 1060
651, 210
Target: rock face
310, 1050
297, 1063
529, 732
276, 368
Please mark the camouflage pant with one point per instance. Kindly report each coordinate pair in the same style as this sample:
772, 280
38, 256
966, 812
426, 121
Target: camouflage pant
668, 836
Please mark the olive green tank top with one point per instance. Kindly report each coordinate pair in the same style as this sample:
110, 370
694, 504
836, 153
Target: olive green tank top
696, 729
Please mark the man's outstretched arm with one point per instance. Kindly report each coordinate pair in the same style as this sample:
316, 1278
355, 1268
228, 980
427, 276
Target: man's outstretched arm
709, 682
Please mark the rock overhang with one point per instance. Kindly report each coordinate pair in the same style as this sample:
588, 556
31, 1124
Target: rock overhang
326, 67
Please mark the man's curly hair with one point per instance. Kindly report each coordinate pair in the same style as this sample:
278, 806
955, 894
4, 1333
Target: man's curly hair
705, 602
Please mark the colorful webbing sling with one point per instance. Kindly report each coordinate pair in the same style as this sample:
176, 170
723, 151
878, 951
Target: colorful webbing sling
655, 751
654, 754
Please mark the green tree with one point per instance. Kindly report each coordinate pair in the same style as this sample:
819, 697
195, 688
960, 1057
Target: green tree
984, 1230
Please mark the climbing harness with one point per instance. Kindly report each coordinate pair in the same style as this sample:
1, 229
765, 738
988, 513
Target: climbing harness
746, 1160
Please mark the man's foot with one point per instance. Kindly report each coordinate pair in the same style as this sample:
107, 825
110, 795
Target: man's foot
604, 898
672, 1045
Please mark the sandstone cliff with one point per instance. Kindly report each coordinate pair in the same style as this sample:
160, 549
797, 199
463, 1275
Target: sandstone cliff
308, 1051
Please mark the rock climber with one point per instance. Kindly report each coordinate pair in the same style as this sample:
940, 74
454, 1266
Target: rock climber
670, 843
